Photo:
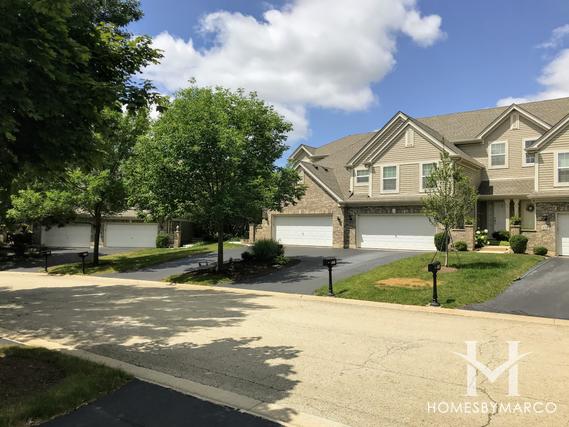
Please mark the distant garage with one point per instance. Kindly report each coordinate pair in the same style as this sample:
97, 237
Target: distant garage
303, 230
130, 235
395, 232
70, 236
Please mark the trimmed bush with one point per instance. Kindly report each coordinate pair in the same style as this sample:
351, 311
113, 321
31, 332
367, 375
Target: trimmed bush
501, 235
540, 250
460, 246
247, 256
162, 240
267, 250
440, 242
519, 243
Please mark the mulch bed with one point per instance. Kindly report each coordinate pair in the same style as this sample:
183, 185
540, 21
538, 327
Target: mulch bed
21, 376
242, 270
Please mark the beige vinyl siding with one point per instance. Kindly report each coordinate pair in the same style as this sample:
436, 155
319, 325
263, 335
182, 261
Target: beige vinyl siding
408, 179
514, 138
547, 161
360, 189
422, 150
473, 174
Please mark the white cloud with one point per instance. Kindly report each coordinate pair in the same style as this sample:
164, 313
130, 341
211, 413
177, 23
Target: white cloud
311, 53
554, 78
557, 36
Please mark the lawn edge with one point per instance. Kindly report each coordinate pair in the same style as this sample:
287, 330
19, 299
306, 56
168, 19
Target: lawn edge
270, 411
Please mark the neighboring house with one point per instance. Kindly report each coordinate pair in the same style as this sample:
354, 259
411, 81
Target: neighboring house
123, 230
365, 190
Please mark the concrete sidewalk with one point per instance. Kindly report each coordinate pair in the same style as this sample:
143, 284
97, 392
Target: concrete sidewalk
356, 363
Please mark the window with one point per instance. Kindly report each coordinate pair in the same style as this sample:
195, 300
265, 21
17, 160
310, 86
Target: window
389, 179
528, 158
426, 170
362, 177
563, 168
498, 155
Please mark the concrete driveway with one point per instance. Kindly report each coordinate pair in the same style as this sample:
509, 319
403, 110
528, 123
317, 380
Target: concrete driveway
351, 362
543, 292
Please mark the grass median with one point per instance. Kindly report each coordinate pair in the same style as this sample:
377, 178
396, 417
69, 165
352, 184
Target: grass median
38, 384
136, 260
472, 278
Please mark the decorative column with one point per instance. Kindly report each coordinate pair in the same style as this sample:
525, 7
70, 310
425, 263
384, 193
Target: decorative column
507, 211
177, 237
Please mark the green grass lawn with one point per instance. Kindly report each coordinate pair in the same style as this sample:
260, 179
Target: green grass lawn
39, 384
135, 260
480, 277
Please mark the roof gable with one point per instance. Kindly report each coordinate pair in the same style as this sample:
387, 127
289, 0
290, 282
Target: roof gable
549, 135
505, 114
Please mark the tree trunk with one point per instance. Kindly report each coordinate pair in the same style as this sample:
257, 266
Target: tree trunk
447, 240
97, 236
219, 246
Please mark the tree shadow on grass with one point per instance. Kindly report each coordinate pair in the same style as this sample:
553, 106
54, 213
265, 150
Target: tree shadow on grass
160, 328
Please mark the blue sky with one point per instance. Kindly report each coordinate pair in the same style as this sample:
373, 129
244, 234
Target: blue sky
460, 55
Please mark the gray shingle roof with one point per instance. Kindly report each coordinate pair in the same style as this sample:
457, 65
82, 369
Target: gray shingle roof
468, 124
326, 175
506, 187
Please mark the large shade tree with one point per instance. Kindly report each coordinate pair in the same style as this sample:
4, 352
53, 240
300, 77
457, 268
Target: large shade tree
96, 191
450, 197
62, 62
211, 156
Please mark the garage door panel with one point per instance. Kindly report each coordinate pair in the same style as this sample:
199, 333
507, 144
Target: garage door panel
69, 236
303, 230
127, 235
563, 234
395, 232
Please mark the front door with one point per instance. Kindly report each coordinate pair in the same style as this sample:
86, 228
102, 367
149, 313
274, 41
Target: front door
499, 215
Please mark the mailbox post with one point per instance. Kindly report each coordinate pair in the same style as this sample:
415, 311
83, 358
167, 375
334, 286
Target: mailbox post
330, 262
83, 255
434, 267
45, 253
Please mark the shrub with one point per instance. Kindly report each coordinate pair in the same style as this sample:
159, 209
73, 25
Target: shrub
504, 243
481, 238
267, 250
519, 243
162, 240
460, 246
281, 260
540, 250
501, 235
515, 220
469, 220
247, 256
440, 242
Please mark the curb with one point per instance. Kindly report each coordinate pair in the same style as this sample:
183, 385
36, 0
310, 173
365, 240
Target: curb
107, 281
272, 411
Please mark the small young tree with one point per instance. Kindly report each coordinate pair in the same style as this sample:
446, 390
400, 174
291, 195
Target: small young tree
211, 156
96, 191
450, 196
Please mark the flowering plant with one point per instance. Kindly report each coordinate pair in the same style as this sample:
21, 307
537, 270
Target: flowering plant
481, 238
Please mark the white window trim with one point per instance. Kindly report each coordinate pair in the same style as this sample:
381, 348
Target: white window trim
524, 164
556, 182
421, 189
361, 184
396, 179
506, 163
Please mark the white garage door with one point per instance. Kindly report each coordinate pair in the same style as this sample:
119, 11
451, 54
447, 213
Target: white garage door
309, 230
126, 235
70, 236
563, 234
395, 232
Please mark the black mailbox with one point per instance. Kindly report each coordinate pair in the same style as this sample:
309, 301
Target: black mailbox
83, 255
329, 261
45, 253
434, 266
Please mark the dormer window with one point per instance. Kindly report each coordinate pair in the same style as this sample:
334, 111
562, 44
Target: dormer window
514, 121
362, 177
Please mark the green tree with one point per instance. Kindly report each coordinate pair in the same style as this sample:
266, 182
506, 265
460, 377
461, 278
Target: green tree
450, 196
97, 191
211, 156
63, 62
